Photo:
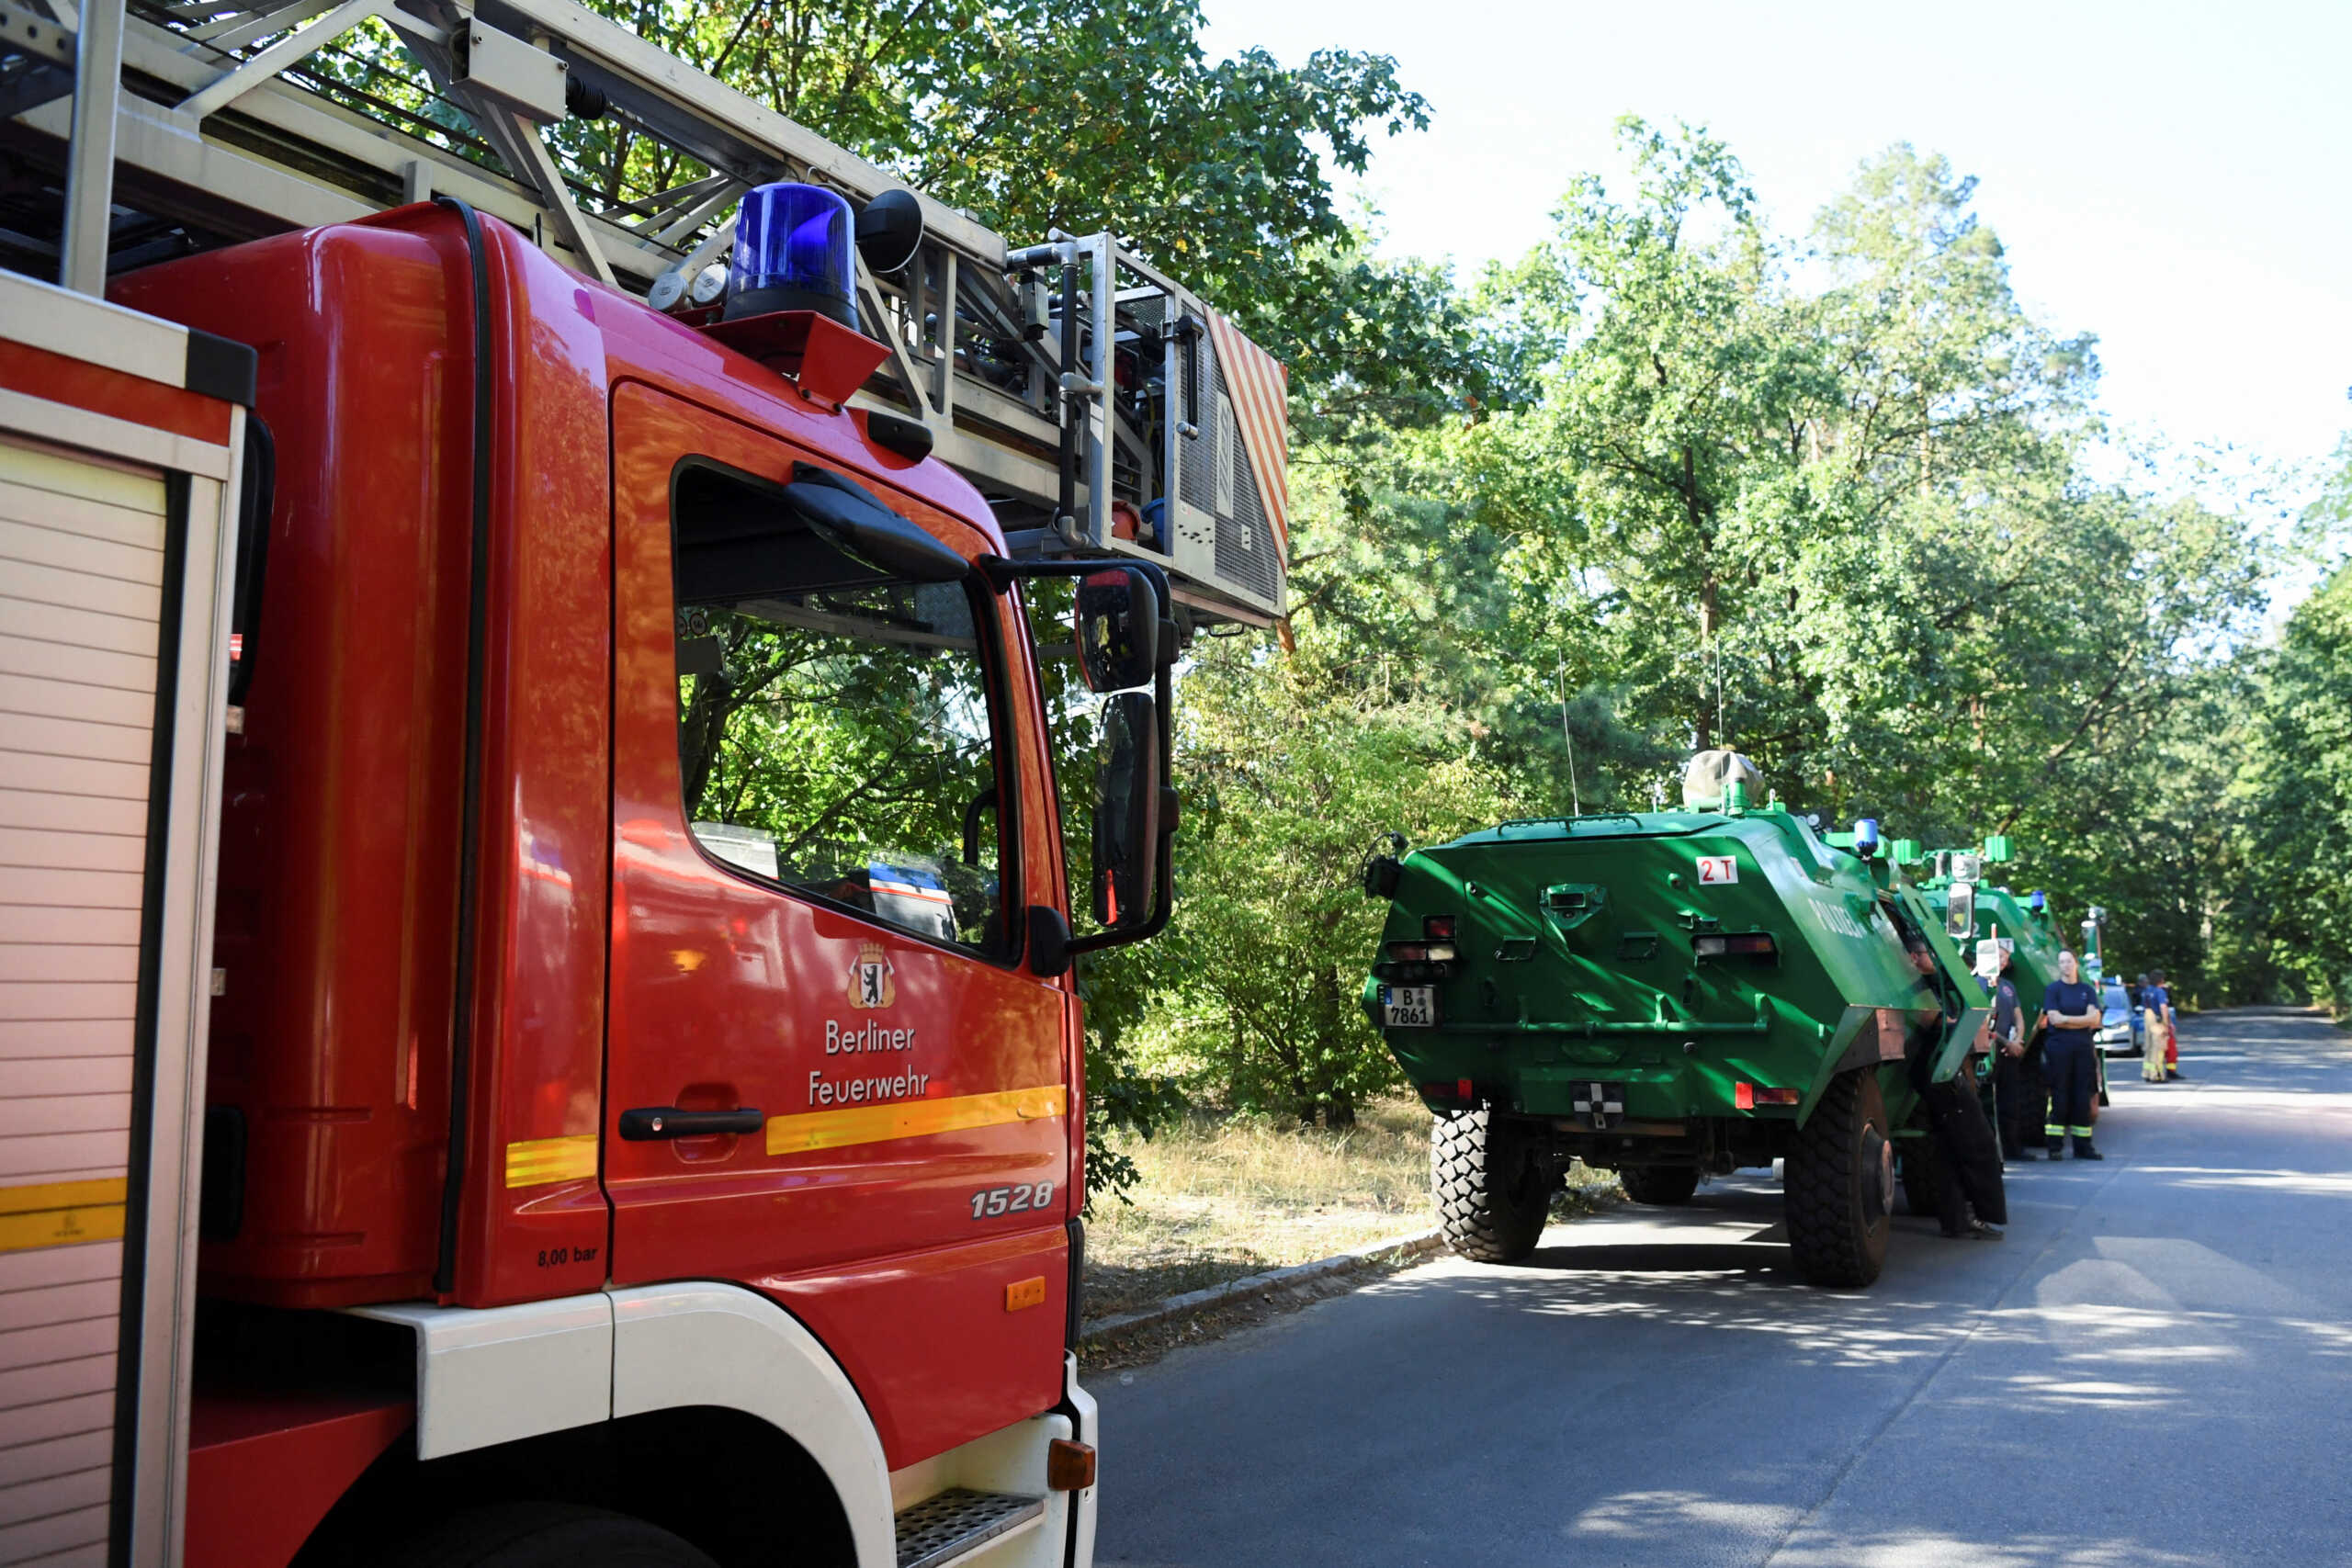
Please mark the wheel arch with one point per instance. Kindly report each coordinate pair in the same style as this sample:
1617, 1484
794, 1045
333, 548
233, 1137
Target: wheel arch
709, 1381
702, 1345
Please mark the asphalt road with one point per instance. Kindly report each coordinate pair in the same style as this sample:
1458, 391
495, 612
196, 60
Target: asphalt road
2155, 1367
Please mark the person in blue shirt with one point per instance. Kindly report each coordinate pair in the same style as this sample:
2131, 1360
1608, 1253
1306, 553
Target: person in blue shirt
2070, 1007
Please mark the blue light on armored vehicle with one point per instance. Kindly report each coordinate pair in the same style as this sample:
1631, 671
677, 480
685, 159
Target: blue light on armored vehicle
1866, 837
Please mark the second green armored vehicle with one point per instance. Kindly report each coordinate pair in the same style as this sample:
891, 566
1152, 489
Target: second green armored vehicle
1668, 995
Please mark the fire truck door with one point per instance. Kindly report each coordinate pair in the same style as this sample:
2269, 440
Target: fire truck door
829, 1077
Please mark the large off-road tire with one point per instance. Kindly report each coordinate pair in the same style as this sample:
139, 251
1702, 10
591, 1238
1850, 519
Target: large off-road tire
1667, 1185
1491, 1188
542, 1535
1841, 1184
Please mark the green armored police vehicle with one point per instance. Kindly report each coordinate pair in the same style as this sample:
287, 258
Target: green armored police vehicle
1668, 995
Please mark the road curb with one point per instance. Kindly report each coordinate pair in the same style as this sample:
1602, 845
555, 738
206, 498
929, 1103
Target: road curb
2254, 1010
1401, 1249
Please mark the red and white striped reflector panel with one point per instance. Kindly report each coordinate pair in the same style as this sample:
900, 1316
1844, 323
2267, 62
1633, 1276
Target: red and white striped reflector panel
1260, 385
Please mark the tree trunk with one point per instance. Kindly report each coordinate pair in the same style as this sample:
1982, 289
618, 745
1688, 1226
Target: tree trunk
1336, 1106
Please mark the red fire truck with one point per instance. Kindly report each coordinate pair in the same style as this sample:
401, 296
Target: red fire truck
537, 1012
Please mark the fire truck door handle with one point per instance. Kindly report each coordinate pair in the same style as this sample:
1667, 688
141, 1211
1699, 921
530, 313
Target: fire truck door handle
649, 1121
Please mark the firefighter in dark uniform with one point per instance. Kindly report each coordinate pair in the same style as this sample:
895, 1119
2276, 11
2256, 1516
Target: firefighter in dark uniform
2070, 1006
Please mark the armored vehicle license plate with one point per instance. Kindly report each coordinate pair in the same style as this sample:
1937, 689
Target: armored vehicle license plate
1408, 1007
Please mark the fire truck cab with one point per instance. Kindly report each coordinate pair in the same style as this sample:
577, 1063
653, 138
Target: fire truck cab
559, 740
572, 1173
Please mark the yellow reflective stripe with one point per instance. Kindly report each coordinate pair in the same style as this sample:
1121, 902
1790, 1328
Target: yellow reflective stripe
64, 1195
541, 1160
62, 1214
912, 1119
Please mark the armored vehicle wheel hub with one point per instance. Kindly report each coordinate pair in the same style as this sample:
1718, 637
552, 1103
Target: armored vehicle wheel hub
1879, 1193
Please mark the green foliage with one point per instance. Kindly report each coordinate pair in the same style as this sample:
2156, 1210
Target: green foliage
1293, 766
1122, 1096
2294, 791
1825, 503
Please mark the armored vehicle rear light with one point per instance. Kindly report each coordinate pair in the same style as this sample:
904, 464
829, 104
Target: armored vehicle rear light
1460, 1090
1438, 927
1749, 1096
1757, 945
1412, 963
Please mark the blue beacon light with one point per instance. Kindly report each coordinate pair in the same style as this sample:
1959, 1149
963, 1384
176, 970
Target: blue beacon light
792, 251
1866, 837
2040, 900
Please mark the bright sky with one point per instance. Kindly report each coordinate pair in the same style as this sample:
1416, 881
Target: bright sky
2170, 176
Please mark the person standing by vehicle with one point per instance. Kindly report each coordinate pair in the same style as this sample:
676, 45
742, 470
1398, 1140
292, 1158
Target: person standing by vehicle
2033, 1081
1967, 1169
2009, 1047
2157, 998
2070, 1011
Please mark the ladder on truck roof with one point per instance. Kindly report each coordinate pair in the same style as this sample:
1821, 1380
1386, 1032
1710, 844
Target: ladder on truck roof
1101, 407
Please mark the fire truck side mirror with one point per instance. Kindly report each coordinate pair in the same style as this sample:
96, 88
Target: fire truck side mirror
1126, 812
1118, 629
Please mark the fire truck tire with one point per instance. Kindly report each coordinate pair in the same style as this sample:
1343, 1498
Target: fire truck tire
1666, 1185
545, 1535
1841, 1184
1492, 1191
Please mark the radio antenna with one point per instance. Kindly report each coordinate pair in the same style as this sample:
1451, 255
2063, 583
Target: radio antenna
1576, 798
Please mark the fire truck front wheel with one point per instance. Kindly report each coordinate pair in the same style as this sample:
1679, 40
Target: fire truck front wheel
543, 1535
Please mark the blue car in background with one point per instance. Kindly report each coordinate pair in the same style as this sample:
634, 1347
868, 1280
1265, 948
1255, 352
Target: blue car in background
2119, 1025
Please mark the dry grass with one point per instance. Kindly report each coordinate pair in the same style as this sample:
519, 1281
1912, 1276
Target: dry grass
1228, 1196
